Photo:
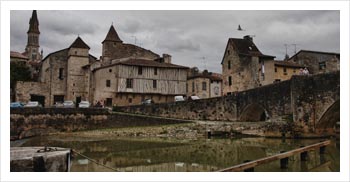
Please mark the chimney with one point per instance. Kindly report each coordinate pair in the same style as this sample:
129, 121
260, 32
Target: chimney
167, 58
248, 37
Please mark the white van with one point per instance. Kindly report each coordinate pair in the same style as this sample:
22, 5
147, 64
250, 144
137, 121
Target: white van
179, 98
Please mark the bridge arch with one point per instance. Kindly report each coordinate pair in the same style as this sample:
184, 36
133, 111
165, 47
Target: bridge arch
254, 112
329, 118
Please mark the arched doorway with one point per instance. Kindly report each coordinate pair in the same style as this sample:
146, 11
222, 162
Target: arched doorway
254, 112
329, 119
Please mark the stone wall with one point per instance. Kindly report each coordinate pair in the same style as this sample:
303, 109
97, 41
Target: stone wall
307, 98
27, 122
312, 96
276, 100
24, 90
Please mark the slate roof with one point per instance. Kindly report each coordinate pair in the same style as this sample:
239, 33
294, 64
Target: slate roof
14, 54
112, 35
34, 23
79, 43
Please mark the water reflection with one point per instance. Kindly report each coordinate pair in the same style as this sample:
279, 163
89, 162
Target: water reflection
164, 154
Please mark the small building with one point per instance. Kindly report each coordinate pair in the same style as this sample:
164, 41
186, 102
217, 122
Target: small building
275, 71
241, 65
203, 84
317, 61
130, 81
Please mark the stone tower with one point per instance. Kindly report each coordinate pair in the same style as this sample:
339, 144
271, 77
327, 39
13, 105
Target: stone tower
110, 43
77, 76
32, 48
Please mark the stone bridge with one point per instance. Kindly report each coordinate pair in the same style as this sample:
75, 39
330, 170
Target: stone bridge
312, 101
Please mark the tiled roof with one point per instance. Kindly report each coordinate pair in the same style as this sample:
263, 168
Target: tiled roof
316, 52
14, 54
150, 63
112, 35
288, 64
79, 43
211, 77
247, 47
146, 63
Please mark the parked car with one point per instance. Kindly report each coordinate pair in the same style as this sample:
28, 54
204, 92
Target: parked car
147, 102
84, 104
58, 105
16, 105
33, 104
193, 97
179, 98
68, 104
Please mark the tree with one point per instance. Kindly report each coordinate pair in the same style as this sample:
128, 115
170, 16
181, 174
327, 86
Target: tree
19, 72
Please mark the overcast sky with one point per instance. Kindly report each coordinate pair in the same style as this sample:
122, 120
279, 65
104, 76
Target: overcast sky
193, 38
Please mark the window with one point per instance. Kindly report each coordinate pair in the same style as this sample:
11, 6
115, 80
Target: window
229, 65
60, 74
228, 52
204, 85
75, 52
277, 80
193, 86
285, 71
109, 102
110, 70
140, 70
322, 65
186, 87
154, 83
128, 83
108, 83
130, 100
155, 71
275, 70
229, 80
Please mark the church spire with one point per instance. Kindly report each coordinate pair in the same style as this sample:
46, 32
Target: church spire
34, 23
112, 35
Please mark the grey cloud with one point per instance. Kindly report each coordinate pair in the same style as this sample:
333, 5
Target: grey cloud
186, 35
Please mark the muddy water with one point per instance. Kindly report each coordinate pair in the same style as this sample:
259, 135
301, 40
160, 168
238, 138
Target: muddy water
175, 155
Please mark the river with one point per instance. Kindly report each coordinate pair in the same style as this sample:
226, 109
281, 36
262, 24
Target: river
180, 155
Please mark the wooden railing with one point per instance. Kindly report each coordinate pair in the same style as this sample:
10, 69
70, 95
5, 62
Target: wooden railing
248, 166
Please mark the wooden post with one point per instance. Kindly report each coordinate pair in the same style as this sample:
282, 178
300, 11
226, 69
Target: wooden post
284, 162
303, 155
249, 169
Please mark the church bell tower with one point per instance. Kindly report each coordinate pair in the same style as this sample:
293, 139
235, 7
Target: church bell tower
32, 48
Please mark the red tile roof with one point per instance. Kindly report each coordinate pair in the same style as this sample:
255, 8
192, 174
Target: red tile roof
14, 54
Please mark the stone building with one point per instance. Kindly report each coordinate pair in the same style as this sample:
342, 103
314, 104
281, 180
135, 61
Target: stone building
317, 61
203, 84
63, 77
125, 74
275, 71
114, 48
242, 65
